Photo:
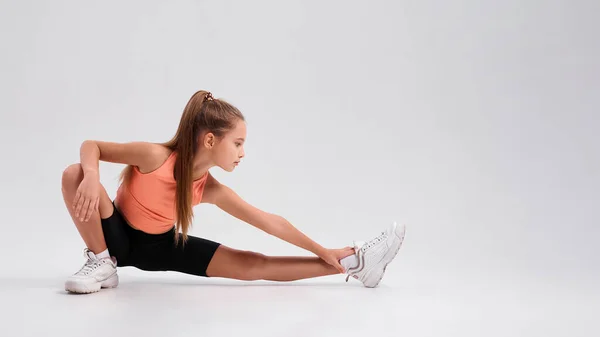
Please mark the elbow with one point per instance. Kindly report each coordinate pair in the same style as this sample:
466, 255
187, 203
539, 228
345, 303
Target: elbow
87, 142
89, 148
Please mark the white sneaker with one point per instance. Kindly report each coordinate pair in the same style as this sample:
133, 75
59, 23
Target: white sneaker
375, 255
95, 274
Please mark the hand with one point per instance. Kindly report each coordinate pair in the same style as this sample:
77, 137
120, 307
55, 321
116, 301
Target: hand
333, 257
87, 198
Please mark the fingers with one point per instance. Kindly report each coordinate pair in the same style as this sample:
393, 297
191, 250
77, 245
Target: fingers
336, 263
75, 199
90, 210
78, 203
93, 208
85, 209
346, 252
333, 261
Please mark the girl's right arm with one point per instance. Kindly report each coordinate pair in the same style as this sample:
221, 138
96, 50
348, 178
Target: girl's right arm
146, 156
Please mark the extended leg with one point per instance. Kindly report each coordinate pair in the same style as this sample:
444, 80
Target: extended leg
245, 265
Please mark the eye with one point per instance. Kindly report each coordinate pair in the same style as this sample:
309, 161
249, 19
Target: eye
238, 144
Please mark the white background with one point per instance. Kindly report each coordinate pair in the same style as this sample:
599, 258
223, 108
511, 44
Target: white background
473, 122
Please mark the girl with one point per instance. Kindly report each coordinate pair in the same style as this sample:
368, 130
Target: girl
147, 223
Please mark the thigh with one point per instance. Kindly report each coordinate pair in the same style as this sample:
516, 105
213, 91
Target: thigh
235, 264
158, 252
194, 257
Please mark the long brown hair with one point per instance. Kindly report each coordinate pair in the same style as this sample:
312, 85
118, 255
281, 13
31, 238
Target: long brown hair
203, 113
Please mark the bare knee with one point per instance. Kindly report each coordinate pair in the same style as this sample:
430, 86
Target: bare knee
238, 264
253, 265
72, 176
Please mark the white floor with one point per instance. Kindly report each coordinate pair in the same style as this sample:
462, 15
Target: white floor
170, 304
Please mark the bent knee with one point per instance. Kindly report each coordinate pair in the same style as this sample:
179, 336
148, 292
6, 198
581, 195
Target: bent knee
72, 176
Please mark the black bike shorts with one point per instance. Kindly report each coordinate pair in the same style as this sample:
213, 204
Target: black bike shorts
155, 252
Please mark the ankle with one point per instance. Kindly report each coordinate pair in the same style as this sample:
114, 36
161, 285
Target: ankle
103, 254
348, 262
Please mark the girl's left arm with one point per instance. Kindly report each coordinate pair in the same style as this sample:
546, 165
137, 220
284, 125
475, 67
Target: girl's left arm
226, 199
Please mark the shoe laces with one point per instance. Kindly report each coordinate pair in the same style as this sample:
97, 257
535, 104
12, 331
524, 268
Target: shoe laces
90, 265
374, 241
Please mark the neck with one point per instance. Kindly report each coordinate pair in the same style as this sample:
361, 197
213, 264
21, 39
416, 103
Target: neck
201, 165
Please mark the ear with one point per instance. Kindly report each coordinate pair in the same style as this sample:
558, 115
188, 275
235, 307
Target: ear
208, 140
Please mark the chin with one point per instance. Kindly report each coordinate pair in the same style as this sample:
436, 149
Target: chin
228, 168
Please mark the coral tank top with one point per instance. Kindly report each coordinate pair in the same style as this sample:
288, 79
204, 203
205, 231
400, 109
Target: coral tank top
148, 201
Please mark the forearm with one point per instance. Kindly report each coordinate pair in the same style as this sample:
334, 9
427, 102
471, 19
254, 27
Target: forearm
89, 158
284, 230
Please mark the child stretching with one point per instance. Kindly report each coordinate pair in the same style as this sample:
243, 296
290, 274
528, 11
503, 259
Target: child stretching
147, 223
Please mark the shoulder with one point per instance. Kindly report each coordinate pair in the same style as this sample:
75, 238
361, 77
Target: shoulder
145, 156
158, 155
212, 190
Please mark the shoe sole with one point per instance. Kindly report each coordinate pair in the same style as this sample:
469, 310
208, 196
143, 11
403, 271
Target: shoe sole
389, 258
82, 288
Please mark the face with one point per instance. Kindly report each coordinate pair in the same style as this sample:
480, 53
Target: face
229, 150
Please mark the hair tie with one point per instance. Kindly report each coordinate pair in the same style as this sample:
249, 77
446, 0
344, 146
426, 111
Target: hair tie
208, 97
